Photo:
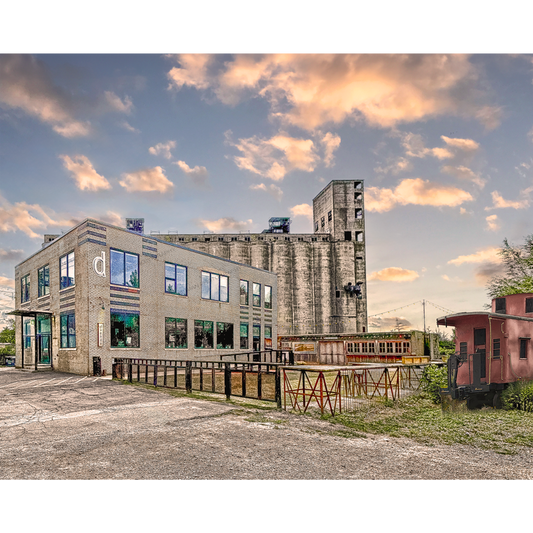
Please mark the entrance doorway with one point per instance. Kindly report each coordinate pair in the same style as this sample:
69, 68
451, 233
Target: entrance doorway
43, 340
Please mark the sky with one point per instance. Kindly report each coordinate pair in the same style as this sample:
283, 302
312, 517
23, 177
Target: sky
223, 142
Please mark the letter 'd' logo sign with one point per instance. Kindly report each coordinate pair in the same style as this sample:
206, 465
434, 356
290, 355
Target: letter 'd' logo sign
99, 265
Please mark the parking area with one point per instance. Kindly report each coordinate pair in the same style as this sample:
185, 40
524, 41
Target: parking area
62, 426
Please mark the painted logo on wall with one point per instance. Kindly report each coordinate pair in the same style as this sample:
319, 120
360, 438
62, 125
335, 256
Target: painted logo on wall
99, 265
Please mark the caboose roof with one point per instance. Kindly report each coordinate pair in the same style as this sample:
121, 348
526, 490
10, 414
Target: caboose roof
456, 318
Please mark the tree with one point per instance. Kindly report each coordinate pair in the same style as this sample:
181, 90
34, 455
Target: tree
518, 265
8, 333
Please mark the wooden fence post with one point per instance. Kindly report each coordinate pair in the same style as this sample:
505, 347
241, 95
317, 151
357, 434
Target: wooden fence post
278, 387
188, 377
227, 380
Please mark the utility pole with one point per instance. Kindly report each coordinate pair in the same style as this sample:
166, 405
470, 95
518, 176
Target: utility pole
424, 311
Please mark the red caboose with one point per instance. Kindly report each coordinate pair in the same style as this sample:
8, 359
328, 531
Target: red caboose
493, 349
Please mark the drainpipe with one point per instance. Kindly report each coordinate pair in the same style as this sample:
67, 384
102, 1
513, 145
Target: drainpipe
490, 350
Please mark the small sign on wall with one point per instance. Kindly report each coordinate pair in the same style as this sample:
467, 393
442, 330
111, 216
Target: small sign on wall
100, 334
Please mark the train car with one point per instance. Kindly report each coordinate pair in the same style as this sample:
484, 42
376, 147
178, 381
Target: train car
493, 349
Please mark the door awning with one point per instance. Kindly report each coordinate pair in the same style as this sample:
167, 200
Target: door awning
28, 312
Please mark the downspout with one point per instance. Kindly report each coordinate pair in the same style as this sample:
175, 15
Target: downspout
490, 349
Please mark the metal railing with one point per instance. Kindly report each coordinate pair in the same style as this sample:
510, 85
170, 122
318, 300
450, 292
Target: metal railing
347, 388
267, 356
246, 379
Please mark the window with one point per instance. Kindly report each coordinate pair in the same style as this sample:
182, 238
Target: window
463, 348
175, 333
268, 337
224, 335
322, 221
215, 287
358, 214
207, 239
66, 267
268, 297
124, 329
390, 348
256, 337
124, 269
364, 347
358, 184
256, 294
68, 331
529, 305
381, 347
221, 239
43, 280
495, 348
347, 235
406, 347
329, 216
480, 336
523, 348
194, 239
244, 292
247, 239
357, 197
203, 334
27, 328
316, 226
359, 236
371, 347
244, 336
25, 288
337, 294
175, 279
499, 305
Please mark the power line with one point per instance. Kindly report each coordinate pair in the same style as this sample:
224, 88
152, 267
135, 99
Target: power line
385, 312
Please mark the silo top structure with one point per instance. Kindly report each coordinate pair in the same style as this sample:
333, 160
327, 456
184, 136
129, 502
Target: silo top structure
321, 275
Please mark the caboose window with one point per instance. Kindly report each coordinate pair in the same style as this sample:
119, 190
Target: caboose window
523, 348
496, 348
529, 305
499, 305
463, 350
480, 336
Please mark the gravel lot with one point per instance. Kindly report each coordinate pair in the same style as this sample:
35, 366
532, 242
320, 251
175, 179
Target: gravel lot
60, 426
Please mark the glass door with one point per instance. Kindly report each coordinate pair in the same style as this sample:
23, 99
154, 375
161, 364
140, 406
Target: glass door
44, 344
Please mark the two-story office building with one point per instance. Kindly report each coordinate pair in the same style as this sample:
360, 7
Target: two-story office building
103, 291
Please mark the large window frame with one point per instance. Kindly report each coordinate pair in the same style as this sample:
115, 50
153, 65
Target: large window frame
268, 297
225, 335
175, 279
68, 330
131, 328
244, 292
67, 271
43, 281
176, 333
256, 294
25, 289
203, 335
244, 336
120, 277
215, 287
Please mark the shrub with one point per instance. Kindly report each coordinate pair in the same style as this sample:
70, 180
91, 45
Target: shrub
433, 380
518, 395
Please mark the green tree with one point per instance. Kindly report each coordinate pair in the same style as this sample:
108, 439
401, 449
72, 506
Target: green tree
8, 333
518, 266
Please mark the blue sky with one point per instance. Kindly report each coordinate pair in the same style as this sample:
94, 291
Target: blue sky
198, 142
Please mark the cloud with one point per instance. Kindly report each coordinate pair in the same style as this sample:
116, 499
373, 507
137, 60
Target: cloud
399, 165
416, 192
485, 272
83, 173
394, 274
414, 147
11, 255
304, 210
447, 278
271, 189
309, 90
127, 126
331, 142
275, 157
116, 104
464, 173
163, 149
147, 180
192, 71
198, 175
112, 218
498, 202
223, 224
391, 323
25, 84
492, 223
28, 218
467, 145
486, 254
7, 282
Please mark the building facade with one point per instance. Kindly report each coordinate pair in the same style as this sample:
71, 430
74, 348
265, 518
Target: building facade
100, 291
321, 275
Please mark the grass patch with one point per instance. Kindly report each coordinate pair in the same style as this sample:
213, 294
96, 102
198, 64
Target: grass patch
418, 418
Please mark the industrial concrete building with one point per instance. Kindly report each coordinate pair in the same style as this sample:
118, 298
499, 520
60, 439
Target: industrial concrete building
103, 292
321, 275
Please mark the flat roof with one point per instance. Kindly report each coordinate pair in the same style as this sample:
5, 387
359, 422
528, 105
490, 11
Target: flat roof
142, 236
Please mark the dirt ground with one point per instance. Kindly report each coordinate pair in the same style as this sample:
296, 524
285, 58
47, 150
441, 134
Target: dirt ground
61, 426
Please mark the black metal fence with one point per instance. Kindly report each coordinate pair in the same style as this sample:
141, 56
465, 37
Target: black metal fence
248, 378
